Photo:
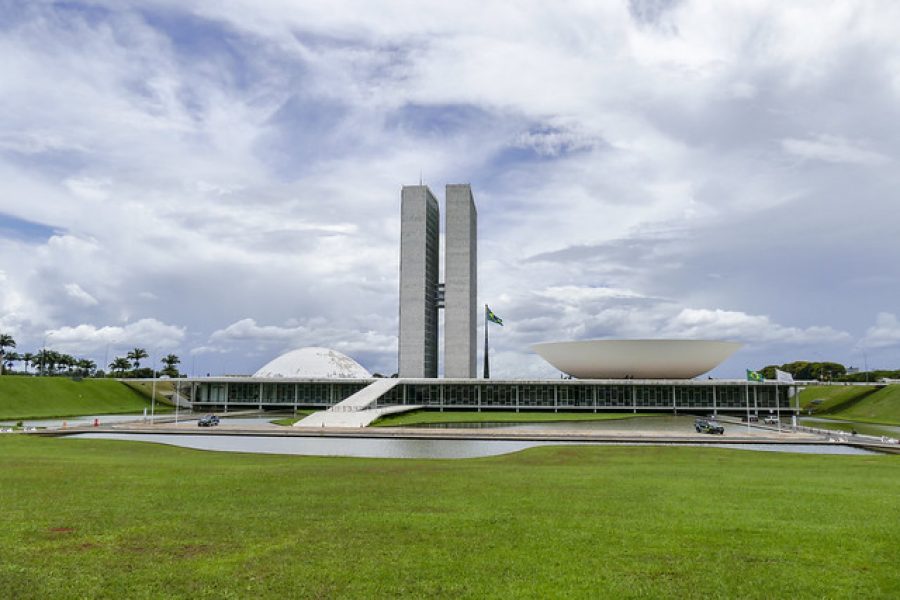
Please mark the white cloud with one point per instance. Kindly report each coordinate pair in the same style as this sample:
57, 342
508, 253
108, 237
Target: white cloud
267, 177
833, 149
150, 334
75, 291
554, 142
207, 350
885, 332
246, 330
88, 188
736, 325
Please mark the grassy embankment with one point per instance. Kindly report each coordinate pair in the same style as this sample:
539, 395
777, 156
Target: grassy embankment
92, 518
422, 416
288, 421
24, 397
865, 404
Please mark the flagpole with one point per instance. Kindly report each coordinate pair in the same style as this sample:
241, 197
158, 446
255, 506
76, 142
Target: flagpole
487, 370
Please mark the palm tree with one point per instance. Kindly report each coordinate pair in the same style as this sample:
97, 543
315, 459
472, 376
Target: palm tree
48, 359
6, 341
68, 361
41, 359
120, 364
28, 358
136, 355
170, 361
86, 366
11, 358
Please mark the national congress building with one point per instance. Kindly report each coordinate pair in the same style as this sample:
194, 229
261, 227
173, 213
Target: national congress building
604, 375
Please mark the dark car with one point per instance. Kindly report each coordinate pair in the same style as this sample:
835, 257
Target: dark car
208, 421
707, 426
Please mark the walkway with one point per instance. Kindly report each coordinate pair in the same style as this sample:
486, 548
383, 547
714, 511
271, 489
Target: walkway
356, 411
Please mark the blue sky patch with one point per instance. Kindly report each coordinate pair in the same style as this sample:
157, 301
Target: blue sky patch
24, 230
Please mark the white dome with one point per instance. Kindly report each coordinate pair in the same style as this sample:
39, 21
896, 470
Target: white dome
314, 363
637, 359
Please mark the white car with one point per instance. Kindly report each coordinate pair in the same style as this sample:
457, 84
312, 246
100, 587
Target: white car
771, 421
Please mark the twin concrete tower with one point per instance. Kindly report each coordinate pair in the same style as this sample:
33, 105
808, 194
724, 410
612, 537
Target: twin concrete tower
421, 294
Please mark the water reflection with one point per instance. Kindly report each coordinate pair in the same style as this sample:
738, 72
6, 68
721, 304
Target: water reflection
676, 424
322, 446
875, 429
401, 448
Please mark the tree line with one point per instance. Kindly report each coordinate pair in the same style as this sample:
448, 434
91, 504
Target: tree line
826, 371
50, 362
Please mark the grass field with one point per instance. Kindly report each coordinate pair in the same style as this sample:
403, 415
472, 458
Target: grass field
832, 398
97, 518
24, 397
422, 416
881, 407
855, 403
164, 389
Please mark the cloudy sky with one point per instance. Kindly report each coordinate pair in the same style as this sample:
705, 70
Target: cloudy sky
222, 179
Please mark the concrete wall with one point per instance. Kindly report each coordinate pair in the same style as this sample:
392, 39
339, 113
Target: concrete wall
460, 282
419, 264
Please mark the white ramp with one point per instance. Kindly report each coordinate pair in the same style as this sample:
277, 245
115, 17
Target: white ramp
357, 410
366, 397
359, 418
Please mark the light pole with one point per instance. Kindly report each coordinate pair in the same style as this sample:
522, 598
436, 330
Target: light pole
866, 364
153, 396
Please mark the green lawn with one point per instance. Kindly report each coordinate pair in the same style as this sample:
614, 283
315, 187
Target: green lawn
832, 397
164, 389
85, 518
24, 397
425, 416
855, 403
881, 407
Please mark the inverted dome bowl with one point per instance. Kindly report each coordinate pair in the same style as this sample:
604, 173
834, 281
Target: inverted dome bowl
638, 359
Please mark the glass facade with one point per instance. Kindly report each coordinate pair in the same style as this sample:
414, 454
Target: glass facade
423, 395
506, 395
653, 396
693, 396
575, 395
731, 396
614, 396
461, 395
531, 395
494, 395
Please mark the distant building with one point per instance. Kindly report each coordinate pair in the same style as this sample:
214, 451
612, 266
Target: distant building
461, 283
421, 294
419, 265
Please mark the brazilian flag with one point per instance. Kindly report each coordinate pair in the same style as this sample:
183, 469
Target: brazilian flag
755, 376
494, 318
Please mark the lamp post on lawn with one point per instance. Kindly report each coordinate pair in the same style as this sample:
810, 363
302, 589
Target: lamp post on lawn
153, 398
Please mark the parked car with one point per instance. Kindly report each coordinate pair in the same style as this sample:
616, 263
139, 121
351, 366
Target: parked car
771, 420
707, 426
208, 421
